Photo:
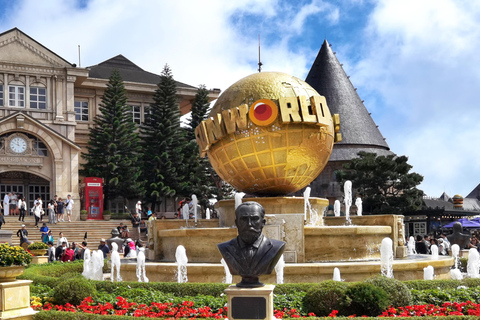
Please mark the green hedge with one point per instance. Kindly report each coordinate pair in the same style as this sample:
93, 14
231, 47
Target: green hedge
442, 284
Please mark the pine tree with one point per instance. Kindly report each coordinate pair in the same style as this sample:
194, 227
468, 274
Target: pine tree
201, 179
199, 111
163, 142
114, 149
385, 183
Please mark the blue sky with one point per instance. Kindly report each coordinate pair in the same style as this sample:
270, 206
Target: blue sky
415, 63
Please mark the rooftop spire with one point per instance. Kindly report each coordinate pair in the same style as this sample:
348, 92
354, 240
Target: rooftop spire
359, 131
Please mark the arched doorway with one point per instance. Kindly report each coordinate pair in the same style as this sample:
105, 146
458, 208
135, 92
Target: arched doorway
27, 184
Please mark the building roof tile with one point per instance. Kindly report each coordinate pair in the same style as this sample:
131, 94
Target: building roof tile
356, 125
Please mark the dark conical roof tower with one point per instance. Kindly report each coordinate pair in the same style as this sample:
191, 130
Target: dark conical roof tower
359, 131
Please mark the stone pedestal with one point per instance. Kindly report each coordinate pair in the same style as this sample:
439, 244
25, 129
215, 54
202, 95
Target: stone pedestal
272, 205
15, 300
6, 236
250, 303
401, 252
39, 259
464, 253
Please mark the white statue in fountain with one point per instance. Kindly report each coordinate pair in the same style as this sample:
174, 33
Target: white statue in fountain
428, 273
347, 188
238, 199
195, 205
279, 269
115, 264
386, 257
308, 210
98, 263
473, 263
336, 274
141, 273
455, 273
87, 264
181, 260
336, 208
228, 274
434, 250
358, 204
411, 245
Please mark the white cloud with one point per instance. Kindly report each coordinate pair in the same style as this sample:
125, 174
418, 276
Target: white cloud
422, 58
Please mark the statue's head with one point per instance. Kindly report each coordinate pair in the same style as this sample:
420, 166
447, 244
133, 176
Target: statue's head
250, 220
457, 227
115, 233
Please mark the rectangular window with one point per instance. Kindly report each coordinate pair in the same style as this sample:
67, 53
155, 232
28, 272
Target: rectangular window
16, 96
147, 113
1, 94
81, 110
38, 98
136, 114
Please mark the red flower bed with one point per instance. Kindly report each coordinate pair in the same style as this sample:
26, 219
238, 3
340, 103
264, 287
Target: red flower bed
186, 310
154, 310
447, 309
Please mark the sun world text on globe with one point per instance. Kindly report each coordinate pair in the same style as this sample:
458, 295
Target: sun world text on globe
269, 134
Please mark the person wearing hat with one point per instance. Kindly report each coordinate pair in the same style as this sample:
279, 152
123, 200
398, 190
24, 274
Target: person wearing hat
130, 251
138, 208
23, 234
105, 249
136, 220
150, 215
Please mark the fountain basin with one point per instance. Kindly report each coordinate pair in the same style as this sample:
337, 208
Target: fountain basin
272, 205
410, 268
200, 243
344, 243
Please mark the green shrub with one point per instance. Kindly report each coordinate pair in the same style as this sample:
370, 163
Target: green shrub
366, 299
398, 293
73, 290
440, 296
37, 246
325, 297
432, 284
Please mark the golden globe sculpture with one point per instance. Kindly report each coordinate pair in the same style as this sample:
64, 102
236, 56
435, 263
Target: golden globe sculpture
269, 134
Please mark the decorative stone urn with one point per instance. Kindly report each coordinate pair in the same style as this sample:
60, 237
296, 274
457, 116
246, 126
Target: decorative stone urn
39, 252
10, 273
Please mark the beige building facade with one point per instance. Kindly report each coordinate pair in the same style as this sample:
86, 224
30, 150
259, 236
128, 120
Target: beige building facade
47, 108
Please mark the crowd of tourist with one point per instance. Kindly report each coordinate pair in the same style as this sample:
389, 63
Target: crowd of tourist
423, 244
55, 210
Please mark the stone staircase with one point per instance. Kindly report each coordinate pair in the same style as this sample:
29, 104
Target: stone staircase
73, 231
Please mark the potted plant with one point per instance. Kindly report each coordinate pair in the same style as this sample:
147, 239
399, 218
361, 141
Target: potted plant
83, 215
12, 261
107, 215
38, 248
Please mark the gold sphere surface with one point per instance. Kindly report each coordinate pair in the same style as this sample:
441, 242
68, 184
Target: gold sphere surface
271, 160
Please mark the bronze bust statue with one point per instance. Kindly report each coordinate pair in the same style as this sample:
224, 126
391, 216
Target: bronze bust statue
458, 237
251, 254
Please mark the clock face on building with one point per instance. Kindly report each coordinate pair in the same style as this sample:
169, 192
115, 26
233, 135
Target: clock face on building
18, 145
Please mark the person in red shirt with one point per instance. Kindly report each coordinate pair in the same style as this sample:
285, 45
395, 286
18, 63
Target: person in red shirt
68, 254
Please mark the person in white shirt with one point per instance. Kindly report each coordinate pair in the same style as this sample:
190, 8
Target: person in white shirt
13, 203
6, 204
22, 206
37, 212
61, 239
69, 203
138, 208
